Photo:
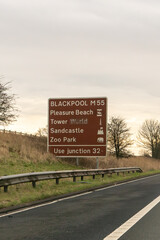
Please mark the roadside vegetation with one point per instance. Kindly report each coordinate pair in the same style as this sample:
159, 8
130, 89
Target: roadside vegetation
20, 154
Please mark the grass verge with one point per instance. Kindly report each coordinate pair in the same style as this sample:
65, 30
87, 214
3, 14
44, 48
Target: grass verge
24, 193
21, 154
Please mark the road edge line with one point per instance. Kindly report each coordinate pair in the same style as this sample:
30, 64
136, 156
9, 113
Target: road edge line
115, 235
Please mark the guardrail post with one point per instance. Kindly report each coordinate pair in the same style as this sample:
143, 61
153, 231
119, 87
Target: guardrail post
74, 179
57, 180
34, 184
102, 175
81, 178
117, 173
93, 176
6, 188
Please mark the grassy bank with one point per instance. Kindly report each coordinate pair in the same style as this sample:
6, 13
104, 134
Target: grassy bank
20, 154
24, 193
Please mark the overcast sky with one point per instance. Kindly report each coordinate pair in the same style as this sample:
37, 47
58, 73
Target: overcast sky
82, 48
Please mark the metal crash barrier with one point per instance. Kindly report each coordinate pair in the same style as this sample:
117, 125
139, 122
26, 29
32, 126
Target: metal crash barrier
34, 177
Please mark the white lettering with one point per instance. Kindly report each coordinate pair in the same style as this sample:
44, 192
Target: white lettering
51, 112
66, 130
61, 113
69, 140
92, 102
70, 103
58, 151
97, 102
55, 140
89, 112
78, 151
53, 121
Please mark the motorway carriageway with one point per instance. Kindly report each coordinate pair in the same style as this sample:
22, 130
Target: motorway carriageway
127, 211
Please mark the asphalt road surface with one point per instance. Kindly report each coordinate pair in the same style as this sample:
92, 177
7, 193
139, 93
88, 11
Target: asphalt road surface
147, 228
92, 216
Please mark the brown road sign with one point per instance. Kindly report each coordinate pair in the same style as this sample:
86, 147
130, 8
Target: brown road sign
77, 127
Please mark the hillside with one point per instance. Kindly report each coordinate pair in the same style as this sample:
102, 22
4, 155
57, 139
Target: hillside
26, 147
25, 153
22, 153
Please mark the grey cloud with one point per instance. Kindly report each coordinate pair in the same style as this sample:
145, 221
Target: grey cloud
35, 22
52, 48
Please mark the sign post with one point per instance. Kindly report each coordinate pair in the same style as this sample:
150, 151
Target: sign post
77, 161
77, 127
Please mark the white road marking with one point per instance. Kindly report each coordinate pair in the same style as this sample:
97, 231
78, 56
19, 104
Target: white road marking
75, 196
120, 184
132, 221
42, 205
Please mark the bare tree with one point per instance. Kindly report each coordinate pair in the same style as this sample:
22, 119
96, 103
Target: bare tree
42, 132
8, 110
118, 137
149, 137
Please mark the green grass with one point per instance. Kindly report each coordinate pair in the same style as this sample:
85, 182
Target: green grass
22, 154
14, 166
24, 193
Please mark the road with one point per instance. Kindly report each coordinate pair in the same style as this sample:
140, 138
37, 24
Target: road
91, 216
146, 228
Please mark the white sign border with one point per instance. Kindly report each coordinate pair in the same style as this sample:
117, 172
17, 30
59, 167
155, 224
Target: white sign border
83, 98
